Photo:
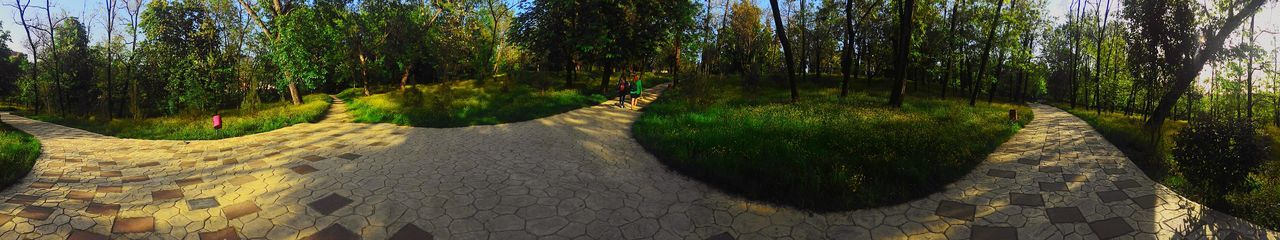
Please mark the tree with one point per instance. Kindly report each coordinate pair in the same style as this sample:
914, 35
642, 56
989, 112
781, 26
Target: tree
846, 64
10, 67
902, 47
1190, 67
786, 48
287, 51
35, 51
986, 52
111, 8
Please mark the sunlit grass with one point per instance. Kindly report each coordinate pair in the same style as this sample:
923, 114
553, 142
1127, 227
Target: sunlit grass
18, 152
236, 122
1261, 205
823, 153
470, 102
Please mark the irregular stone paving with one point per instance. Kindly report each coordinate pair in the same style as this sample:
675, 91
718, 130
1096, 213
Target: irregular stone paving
577, 175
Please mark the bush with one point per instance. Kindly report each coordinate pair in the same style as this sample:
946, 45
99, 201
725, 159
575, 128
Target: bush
1217, 155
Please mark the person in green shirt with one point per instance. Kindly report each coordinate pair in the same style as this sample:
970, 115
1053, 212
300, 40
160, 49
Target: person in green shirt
639, 89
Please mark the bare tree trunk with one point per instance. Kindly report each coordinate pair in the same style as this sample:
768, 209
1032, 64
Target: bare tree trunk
951, 29
999, 71
111, 15
804, 43
786, 49
404, 76
35, 50
53, 46
986, 53
901, 55
1249, 68
1102, 36
845, 65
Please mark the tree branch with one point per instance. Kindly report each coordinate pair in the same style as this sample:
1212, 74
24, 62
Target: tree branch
254, 14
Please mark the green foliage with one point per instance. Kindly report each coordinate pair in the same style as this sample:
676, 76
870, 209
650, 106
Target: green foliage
823, 153
466, 103
198, 127
1217, 155
18, 152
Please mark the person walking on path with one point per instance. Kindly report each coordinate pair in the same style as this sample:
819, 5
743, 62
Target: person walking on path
639, 89
623, 91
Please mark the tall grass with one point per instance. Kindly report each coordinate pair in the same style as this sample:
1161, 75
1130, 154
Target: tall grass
18, 152
823, 153
236, 122
1260, 205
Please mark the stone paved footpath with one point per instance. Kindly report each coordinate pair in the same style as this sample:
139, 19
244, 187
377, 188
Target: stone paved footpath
577, 175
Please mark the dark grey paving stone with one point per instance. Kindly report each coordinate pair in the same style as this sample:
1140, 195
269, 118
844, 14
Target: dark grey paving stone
1064, 215
330, 203
1053, 187
956, 210
1023, 199
995, 233
1148, 201
1002, 173
1127, 184
1071, 177
412, 232
334, 231
313, 158
1114, 170
349, 156
202, 203
722, 236
1112, 196
1050, 169
1110, 228
1029, 161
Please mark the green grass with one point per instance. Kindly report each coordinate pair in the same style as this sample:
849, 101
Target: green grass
469, 102
236, 122
1261, 205
18, 152
823, 153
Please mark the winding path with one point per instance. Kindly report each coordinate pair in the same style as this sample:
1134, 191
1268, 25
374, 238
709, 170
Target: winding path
577, 175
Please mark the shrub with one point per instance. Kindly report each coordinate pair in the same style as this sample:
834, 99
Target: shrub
1217, 155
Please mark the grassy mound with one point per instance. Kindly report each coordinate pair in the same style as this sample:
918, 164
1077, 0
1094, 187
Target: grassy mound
823, 153
236, 122
1261, 205
18, 152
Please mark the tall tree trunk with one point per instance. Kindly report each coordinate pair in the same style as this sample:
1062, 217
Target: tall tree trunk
1075, 49
845, 65
901, 49
1187, 74
604, 78
53, 69
404, 77
1102, 36
35, 50
999, 72
364, 69
1249, 68
804, 43
786, 49
950, 57
986, 53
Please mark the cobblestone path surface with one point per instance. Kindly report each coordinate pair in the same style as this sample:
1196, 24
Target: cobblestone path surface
577, 175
